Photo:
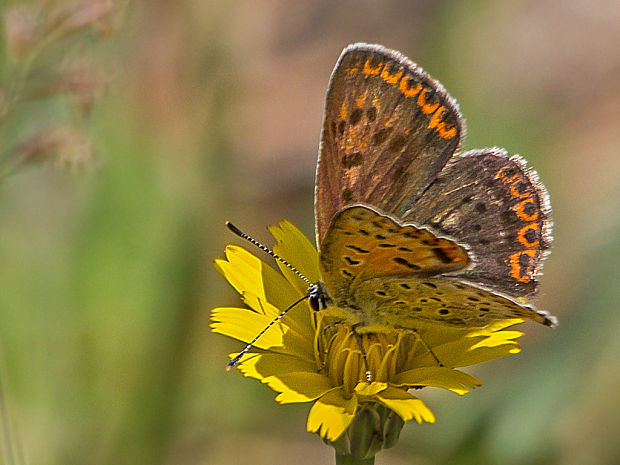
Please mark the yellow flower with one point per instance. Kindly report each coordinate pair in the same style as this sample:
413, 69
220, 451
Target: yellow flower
308, 357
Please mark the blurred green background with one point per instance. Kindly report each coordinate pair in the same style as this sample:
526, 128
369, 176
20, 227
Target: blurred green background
212, 111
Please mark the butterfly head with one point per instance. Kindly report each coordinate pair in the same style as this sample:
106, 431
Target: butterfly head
318, 296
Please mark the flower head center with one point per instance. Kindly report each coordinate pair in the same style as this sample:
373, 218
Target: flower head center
339, 354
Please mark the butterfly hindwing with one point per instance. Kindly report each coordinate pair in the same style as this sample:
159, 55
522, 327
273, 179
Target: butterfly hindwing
405, 302
386, 124
499, 209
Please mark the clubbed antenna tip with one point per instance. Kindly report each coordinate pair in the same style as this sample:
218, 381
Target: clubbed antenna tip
234, 229
250, 239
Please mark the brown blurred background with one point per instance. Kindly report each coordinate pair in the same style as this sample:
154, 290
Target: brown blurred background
212, 111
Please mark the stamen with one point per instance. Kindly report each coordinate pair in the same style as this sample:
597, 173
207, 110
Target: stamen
363, 351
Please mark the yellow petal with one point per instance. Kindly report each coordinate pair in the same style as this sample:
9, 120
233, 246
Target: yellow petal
497, 339
261, 366
458, 347
474, 350
435, 335
245, 325
405, 405
441, 377
299, 387
369, 389
242, 270
296, 380
296, 249
331, 415
498, 325
248, 274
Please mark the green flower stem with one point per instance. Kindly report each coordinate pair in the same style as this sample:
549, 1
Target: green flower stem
342, 459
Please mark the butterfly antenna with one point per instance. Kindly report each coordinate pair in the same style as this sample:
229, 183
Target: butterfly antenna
235, 361
243, 235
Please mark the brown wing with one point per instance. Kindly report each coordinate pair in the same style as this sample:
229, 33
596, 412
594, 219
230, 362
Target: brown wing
499, 209
362, 243
388, 130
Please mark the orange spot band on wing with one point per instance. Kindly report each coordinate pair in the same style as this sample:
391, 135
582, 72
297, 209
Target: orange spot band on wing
440, 126
521, 210
426, 108
436, 119
447, 133
408, 92
391, 79
515, 266
500, 175
523, 240
514, 191
369, 70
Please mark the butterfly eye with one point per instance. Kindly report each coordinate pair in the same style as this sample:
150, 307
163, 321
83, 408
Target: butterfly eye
317, 295
318, 302
315, 303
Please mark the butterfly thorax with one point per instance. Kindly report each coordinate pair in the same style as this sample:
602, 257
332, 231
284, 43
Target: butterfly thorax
345, 312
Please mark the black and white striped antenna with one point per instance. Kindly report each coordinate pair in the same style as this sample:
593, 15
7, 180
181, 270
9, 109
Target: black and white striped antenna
313, 290
243, 235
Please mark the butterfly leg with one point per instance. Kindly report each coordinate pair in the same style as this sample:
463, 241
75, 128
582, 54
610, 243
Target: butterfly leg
364, 356
331, 325
426, 346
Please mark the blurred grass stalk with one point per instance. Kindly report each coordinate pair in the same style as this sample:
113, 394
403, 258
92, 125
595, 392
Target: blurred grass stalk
40, 71
11, 448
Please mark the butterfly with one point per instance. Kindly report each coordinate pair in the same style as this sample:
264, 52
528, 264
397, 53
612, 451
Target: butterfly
410, 231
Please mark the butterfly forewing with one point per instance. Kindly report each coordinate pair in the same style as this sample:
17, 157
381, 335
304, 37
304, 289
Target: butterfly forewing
386, 124
362, 243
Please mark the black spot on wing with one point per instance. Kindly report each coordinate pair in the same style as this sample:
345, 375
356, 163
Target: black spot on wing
441, 255
404, 262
